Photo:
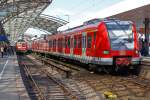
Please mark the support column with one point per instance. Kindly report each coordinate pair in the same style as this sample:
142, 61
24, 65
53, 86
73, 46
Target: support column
146, 23
2, 33
1, 29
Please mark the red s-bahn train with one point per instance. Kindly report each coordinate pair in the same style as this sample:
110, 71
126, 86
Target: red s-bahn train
103, 43
21, 46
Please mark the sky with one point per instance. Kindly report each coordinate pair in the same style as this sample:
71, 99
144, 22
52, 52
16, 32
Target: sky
78, 11
73, 10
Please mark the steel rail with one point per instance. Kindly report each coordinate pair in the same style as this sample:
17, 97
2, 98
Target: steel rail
59, 65
67, 91
41, 95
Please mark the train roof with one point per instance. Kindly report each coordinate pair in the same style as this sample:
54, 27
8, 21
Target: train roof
88, 24
93, 23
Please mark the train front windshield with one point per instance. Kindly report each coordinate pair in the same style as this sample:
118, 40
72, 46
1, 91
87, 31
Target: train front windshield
121, 35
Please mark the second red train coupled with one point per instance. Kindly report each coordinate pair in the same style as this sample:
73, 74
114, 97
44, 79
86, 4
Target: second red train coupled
103, 43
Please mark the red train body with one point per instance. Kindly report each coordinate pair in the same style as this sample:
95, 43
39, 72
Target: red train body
21, 46
98, 42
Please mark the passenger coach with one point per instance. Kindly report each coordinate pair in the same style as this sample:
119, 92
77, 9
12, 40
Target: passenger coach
21, 46
96, 42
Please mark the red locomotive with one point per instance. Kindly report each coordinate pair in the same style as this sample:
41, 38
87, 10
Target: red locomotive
21, 46
103, 43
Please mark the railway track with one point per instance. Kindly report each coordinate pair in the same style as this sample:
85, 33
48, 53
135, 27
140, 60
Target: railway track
47, 87
90, 86
60, 66
125, 88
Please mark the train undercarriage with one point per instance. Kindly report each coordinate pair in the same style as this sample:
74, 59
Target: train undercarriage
119, 66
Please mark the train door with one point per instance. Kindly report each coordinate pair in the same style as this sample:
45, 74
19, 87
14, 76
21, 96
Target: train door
79, 48
91, 43
71, 46
83, 45
50, 45
74, 45
63, 45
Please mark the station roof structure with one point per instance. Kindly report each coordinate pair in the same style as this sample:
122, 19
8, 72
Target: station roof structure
17, 16
134, 10
48, 23
136, 15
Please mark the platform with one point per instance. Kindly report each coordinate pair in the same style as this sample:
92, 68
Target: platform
11, 84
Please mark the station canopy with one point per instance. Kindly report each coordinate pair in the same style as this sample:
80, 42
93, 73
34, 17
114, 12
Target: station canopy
48, 23
136, 15
17, 16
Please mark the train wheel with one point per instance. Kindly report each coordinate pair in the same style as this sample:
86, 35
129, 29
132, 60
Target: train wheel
136, 70
111, 69
121, 70
92, 67
116, 69
99, 69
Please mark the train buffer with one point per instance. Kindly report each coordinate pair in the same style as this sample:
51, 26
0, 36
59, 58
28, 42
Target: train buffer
11, 83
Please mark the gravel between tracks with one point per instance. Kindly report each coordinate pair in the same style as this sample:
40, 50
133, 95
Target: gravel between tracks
91, 86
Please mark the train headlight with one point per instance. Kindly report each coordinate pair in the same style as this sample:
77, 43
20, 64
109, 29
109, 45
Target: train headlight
106, 52
136, 51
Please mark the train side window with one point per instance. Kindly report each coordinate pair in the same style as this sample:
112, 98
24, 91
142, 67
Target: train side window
61, 43
79, 42
89, 41
54, 43
65, 42
75, 42
50, 44
58, 43
68, 42
83, 41
71, 42
95, 35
